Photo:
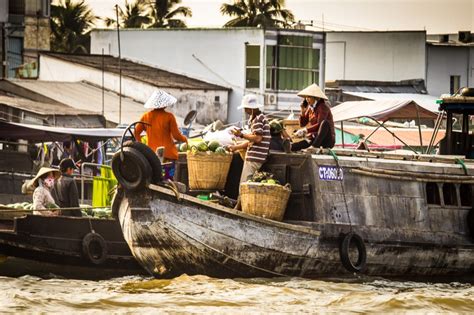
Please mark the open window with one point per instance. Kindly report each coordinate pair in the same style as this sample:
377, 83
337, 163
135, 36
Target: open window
432, 194
466, 191
449, 194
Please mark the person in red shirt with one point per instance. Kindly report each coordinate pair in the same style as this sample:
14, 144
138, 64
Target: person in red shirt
161, 127
316, 120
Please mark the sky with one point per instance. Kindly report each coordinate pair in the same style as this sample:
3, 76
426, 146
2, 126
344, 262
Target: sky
434, 16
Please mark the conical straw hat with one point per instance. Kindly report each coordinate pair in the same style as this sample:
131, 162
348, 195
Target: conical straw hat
313, 90
160, 99
41, 172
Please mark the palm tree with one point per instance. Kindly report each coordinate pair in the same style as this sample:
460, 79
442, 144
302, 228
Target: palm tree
258, 13
135, 15
165, 14
70, 24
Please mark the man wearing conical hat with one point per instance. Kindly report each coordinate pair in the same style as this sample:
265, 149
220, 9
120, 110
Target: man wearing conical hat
316, 120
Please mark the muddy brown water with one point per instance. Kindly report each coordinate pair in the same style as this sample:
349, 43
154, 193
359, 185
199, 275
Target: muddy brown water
200, 294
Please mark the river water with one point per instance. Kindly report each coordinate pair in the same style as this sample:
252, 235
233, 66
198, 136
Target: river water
200, 294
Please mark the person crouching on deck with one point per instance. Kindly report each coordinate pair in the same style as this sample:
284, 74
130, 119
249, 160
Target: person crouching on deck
316, 118
257, 142
161, 129
42, 198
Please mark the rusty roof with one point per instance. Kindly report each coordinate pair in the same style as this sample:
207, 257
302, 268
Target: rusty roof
138, 71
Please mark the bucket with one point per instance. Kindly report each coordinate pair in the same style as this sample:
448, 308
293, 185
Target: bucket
264, 200
208, 170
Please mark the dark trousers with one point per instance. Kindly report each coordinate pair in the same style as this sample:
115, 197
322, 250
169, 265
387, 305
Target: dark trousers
322, 139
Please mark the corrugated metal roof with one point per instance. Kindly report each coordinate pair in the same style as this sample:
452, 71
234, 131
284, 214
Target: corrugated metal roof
426, 101
139, 71
86, 97
41, 108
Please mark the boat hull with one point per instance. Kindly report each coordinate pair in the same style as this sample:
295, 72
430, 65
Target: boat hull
169, 237
46, 246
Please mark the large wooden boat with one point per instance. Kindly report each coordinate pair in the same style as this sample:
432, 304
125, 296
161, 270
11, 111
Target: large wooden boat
376, 214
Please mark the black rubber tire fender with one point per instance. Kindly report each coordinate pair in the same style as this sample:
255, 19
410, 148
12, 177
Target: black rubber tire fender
150, 156
360, 264
94, 248
133, 172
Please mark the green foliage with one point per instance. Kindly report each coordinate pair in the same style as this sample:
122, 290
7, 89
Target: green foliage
165, 14
136, 14
258, 13
70, 25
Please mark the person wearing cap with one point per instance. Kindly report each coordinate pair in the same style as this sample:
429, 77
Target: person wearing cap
257, 142
42, 198
65, 190
280, 139
161, 127
316, 120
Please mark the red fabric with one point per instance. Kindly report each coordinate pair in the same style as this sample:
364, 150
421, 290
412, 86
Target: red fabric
163, 130
314, 117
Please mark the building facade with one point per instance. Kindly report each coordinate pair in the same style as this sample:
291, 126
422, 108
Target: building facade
274, 64
24, 31
450, 60
376, 56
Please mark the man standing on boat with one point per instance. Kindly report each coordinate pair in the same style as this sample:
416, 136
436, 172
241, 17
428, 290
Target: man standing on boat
257, 142
65, 190
316, 120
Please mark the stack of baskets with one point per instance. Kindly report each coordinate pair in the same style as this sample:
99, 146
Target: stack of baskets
208, 170
264, 200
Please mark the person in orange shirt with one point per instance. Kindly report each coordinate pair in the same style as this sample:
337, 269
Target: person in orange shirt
162, 128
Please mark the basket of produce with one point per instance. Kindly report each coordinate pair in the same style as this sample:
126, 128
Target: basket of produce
208, 165
263, 196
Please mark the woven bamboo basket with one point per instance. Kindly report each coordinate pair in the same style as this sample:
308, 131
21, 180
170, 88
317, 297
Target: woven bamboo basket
208, 170
264, 200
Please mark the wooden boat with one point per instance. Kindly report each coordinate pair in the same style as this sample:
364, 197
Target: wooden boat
390, 215
85, 248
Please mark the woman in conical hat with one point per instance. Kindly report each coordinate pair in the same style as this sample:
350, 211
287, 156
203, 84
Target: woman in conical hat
42, 198
316, 120
162, 128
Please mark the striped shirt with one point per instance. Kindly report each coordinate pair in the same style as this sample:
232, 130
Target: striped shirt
258, 152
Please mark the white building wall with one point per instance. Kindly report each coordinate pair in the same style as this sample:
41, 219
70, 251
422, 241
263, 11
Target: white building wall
377, 56
218, 56
443, 62
53, 69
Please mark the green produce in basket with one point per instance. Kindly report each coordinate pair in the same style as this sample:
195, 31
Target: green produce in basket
221, 150
202, 146
271, 181
213, 145
183, 147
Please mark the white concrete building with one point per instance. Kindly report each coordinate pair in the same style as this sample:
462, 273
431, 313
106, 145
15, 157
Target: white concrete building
274, 64
376, 56
450, 60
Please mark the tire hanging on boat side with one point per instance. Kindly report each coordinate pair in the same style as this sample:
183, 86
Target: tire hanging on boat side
94, 248
344, 247
150, 156
133, 172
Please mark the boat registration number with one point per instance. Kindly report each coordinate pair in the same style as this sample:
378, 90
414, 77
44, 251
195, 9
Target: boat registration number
330, 173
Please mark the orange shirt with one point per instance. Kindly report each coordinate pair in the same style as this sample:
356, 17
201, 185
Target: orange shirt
162, 131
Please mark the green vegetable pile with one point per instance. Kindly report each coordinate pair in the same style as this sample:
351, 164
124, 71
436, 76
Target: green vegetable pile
264, 178
203, 146
19, 205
